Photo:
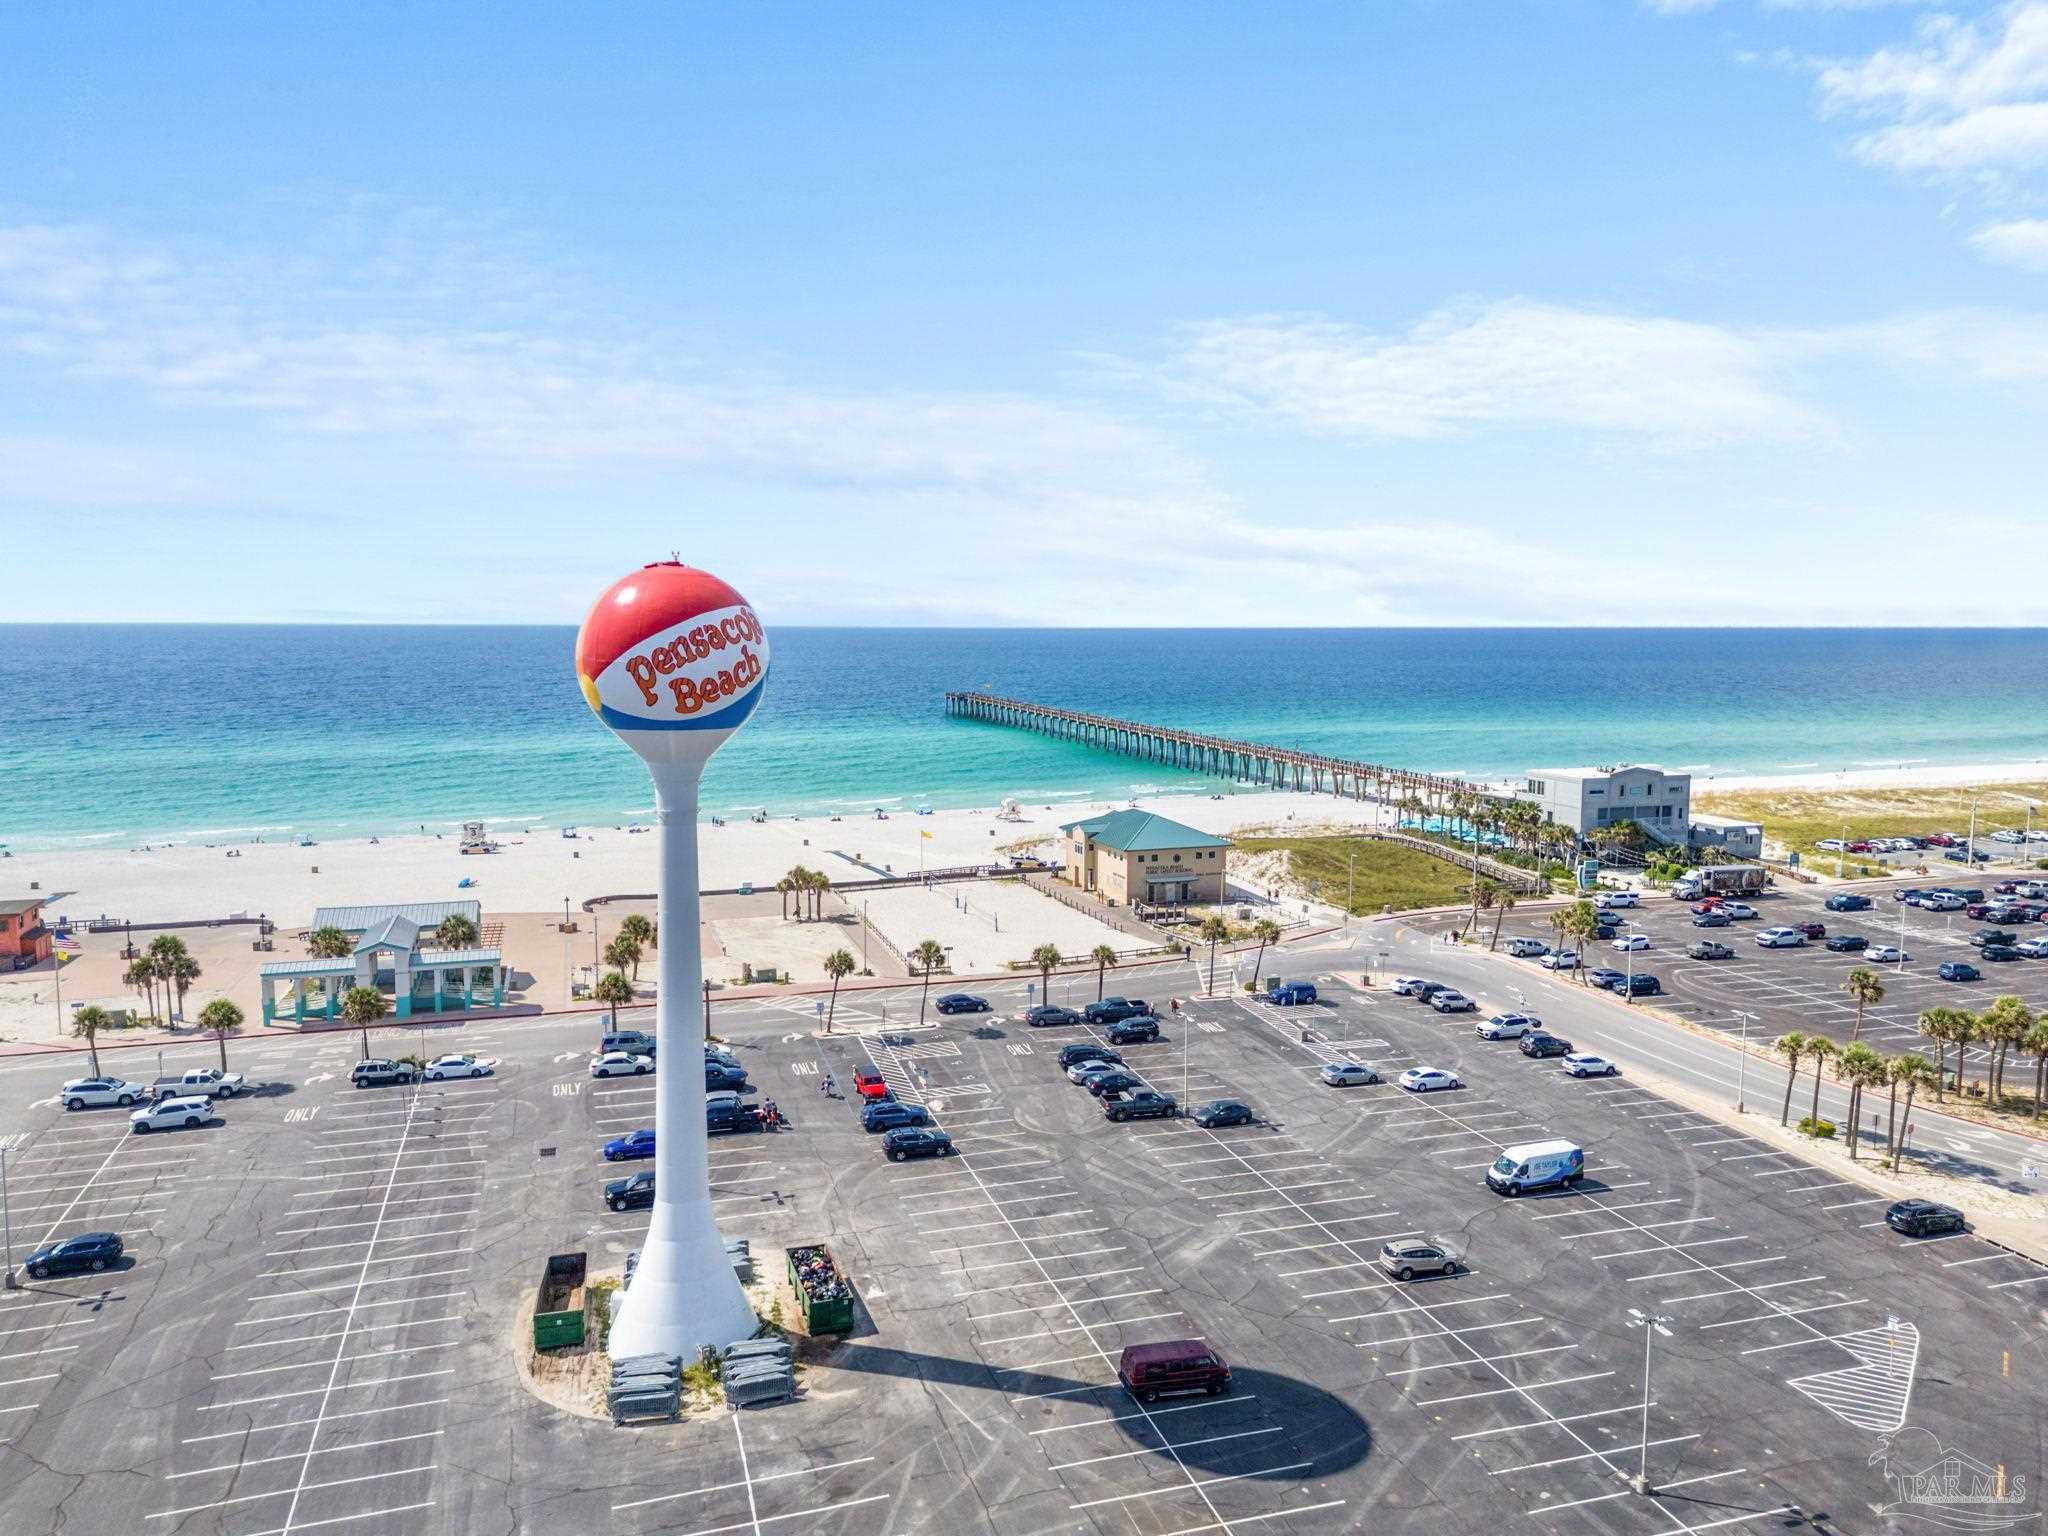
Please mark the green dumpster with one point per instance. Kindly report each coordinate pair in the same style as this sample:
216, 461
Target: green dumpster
558, 1312
822, 1293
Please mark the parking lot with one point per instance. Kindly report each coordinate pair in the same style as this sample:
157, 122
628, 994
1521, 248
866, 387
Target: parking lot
315, 1326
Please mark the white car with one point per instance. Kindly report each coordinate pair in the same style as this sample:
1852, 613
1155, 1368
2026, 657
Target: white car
1738, 909
1560, 960
1404, 986
460, 1066
1832, 845
2007, 835
1780, 938
1631, 941
1449, 1001
1886, 954
1506, 1026
1428, 1079
1347, 1074
620, 1064
82, 1092
1617, 899
188, 1112
1586, 1064
2033, 949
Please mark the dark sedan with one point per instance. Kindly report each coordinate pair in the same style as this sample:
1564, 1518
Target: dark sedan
1048, 1015
1221, 1112
1545, 1045
631, 1192
961, 1002
1923, 1218
888, 1114
1848, 943
89, 1252
2001, 952
1104, 1084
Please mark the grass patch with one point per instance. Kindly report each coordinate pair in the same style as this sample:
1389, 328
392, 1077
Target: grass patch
1800, 818
1387, 874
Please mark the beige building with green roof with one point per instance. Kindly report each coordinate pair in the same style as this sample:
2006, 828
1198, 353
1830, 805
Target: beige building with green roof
1136, 858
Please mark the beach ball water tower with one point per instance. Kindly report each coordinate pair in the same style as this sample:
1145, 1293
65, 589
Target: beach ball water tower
674, 660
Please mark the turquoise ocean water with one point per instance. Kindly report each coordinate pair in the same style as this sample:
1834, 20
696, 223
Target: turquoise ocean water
116, 735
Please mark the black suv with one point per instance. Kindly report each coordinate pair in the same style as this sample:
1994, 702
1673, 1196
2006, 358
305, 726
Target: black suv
1105, 1084
718, 1076
1140, 1104
89, 1251
916, 1141
1545, 1045
365, 1074
1071, 1055
1045, 1015
1641, 984
1845, 902
631, 1192
1920, 1218
1133, 1031
1848, 943
1110, 1009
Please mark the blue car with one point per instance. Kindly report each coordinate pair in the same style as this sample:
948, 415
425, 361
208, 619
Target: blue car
1959, 970
1291, 994
891, 1114
1844, 902
631, 1145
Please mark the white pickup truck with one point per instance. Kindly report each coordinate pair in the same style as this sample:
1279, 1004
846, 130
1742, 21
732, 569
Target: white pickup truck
209, 1081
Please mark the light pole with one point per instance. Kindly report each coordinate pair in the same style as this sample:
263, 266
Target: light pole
6, 1221
1742, 1061
568, 970
863, 933
1842, 852
1633, 933
1651, 1323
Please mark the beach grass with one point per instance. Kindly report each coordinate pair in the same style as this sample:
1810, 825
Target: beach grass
1800, 818
1385, 874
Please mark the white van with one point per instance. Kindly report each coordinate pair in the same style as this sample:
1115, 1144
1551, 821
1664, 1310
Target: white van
1536, 1165
1617, 899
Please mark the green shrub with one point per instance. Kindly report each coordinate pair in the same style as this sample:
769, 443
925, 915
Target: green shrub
1824, 1129
599, 1305
706, 1376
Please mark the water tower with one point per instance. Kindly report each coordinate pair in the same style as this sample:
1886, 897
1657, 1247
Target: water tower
674, 660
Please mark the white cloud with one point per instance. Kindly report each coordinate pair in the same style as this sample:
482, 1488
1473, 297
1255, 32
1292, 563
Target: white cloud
1514, 364
2017, 243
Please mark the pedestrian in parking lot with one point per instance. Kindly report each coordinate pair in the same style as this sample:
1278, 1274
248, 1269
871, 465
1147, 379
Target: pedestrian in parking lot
826, 1087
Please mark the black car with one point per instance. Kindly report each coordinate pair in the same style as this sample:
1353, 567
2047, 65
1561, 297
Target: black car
2000, 952
366, 1074
1110, 1009
1540, 1044
1983, 936
88, 1252
888, 1114
916, 1141
1081, 1051
1923, 1218
1103, 1084
1709, 949
1606, 977
1641, 984
1422, 992
1131, 1031
719, 1078
631, 1192
1140, 1104
1848, 943
1047, 1015
1221, 1112
962, 1002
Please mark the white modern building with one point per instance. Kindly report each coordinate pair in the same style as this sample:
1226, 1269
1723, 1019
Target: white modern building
1586, 799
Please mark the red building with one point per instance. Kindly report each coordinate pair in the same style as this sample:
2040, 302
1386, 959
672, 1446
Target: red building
24, 941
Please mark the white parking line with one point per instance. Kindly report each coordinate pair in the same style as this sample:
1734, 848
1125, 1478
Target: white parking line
1604, 1452
1522, 1388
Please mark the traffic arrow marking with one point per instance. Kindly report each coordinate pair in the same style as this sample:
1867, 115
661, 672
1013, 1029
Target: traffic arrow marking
50, 1103
318, 1077
561, 1056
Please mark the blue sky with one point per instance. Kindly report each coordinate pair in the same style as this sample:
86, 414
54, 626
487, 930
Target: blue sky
1349, 314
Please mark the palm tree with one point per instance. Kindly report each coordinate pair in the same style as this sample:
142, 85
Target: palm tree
820, 883
165, 951
615, 992
838, 965
1912, 1071
1045, 957
362, 1007
1938, 1025
1105, 962
1266, 931
141, 975
1582, 923
622, 952
2035, 1044
783, 887
928, 956
1213, 931
1967, 1029
2006, 1023
1820, 1048
1503, 904
799, 880
221, 1018
184, 971
455, 932
328, 943
88, 1022
1860, 1067
1865, 990
637, 928
1791, 1046
1485, 892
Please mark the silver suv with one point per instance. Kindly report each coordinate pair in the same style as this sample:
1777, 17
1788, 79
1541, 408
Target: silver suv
1408, 1257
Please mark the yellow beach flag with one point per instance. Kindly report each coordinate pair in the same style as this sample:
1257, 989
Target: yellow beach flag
924, 834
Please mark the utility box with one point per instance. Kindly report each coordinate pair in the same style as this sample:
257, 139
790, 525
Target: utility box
558, 1314
822, 1292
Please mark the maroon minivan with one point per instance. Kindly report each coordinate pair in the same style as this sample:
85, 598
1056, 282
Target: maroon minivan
1178, 1365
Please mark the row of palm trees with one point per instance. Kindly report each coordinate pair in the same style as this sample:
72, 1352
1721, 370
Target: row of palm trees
1862, 1069
167, 963
1519, 823
808, 886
